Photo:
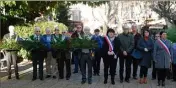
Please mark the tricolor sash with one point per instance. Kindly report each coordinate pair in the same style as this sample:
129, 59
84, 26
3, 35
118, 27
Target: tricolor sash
164, 46
110, 46
109, 43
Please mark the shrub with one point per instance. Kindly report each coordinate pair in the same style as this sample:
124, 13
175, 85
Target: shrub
171, 32
26, 30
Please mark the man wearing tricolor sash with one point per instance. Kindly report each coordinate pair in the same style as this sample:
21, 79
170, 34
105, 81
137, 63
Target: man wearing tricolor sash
162, 57
109, 54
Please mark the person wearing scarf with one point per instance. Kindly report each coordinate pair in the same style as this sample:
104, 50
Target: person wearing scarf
145, 45
65, 56
110, 55
55, 53
97, 51
162, 57
37, 55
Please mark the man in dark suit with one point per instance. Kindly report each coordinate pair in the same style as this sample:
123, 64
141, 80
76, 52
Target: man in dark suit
37, 55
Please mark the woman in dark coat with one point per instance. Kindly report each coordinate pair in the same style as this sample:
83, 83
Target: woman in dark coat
145, 45
162, 56
110, 55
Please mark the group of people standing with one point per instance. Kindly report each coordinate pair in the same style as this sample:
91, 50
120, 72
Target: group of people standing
131, 48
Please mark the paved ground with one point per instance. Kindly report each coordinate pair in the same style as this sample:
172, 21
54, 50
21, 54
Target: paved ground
74, 82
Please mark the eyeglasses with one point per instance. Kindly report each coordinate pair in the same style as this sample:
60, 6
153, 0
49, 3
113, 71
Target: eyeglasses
157, 36
63, 32
79, 27
37, 31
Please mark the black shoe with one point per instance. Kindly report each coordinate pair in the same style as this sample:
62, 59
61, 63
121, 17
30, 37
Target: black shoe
112, 82
75, 72
48, 76
90, 82
105, 81
98, 74
163, 83
174, 80
61, 77
159, 83
121, 81
41, 78
33, 79
127, 80
9, 77
17, 77
94, 74
54, 77
83, 82
67, 78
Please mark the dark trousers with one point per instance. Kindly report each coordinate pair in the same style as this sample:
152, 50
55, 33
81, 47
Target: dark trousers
174, 71
109, 62
96, 62
37, 58
63, 60
127, 60
86, 59
12, 59
135, 66
143, 71
154, 71
161, 74
76, 57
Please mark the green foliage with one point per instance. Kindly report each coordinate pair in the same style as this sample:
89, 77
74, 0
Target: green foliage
27, 30
10, 44
30, 45
59, 45
171, 33
62, 13
84, 43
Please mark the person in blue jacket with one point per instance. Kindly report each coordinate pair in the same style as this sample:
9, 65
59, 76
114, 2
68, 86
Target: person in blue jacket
97, 52
46, 39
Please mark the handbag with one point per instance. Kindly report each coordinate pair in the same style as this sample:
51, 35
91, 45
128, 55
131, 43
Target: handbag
136, 54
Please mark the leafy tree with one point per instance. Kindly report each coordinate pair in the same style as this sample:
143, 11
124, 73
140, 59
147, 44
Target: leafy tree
166, 9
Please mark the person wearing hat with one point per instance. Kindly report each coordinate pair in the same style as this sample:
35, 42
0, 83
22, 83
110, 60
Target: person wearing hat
11, 55
126, 46
37, 55
109, 54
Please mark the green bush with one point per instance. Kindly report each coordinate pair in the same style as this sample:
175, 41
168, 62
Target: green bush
171, 33
25, 30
